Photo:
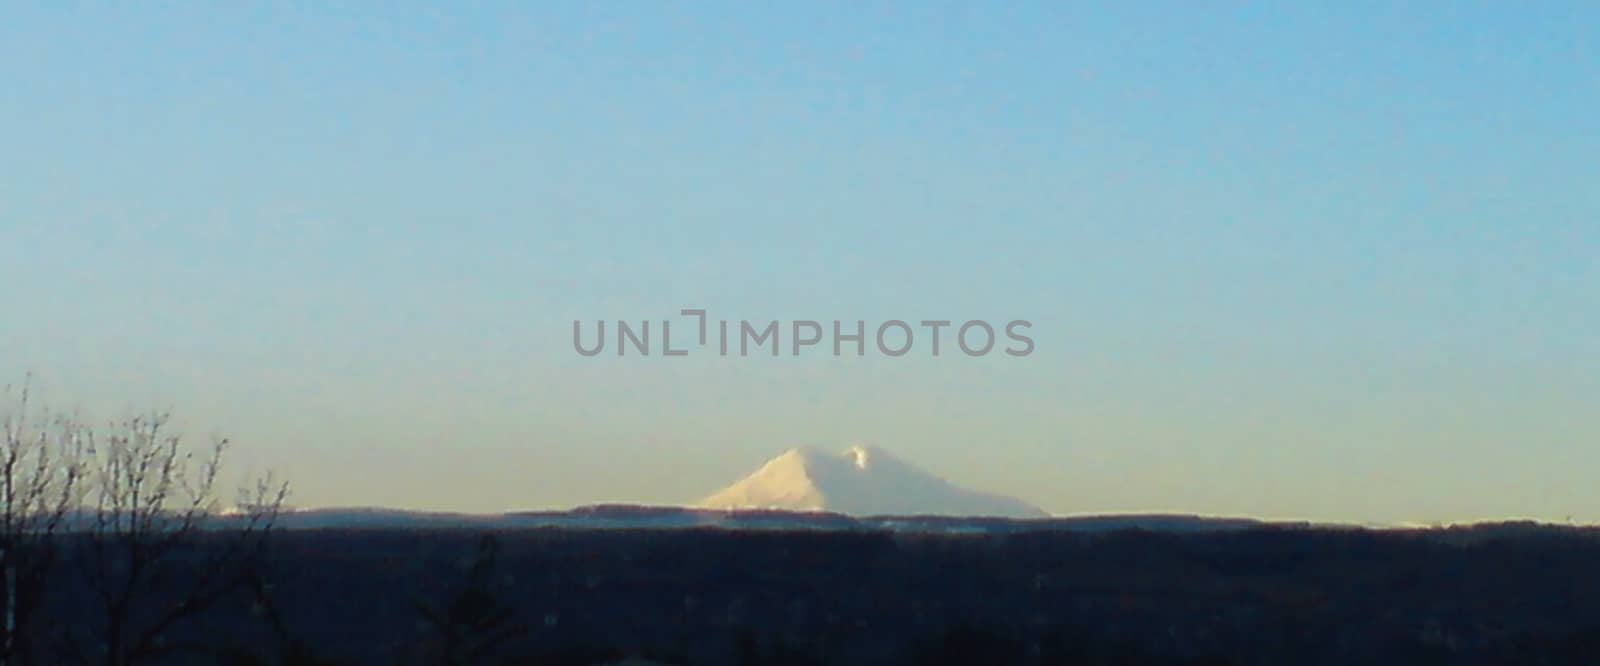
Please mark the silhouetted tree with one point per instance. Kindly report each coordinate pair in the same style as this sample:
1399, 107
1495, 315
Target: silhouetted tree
159, 552
41, 473
286, 649
474, 624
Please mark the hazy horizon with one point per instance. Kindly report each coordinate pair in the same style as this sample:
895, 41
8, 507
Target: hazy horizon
1333, 263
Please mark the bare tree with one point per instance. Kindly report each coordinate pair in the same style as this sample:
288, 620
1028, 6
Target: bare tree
474, 624
159, 552
41, 475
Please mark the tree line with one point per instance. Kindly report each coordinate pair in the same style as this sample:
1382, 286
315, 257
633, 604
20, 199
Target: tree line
129, 501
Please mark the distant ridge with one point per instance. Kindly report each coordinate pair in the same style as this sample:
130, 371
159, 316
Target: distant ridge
635, 517
630, 516
861, 481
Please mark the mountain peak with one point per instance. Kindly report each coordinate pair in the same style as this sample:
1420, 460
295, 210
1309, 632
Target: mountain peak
862, 480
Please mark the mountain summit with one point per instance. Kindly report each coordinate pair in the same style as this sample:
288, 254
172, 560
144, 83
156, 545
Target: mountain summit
862, 481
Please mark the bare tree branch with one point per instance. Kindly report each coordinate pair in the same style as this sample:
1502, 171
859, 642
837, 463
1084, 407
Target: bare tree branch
160, 551
41, 480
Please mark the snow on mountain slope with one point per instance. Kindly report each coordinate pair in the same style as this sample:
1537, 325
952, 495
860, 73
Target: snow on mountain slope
862, 481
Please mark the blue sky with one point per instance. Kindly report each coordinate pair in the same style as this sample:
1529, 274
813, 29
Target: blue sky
1330, 261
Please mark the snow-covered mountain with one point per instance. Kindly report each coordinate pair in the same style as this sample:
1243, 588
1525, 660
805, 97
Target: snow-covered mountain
862, 481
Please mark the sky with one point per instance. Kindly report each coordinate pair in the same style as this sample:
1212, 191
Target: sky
1331, 261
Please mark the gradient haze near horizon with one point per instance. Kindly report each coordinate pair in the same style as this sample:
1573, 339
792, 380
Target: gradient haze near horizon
1334, 262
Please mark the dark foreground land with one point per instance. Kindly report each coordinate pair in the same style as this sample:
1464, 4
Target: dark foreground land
1500, 595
